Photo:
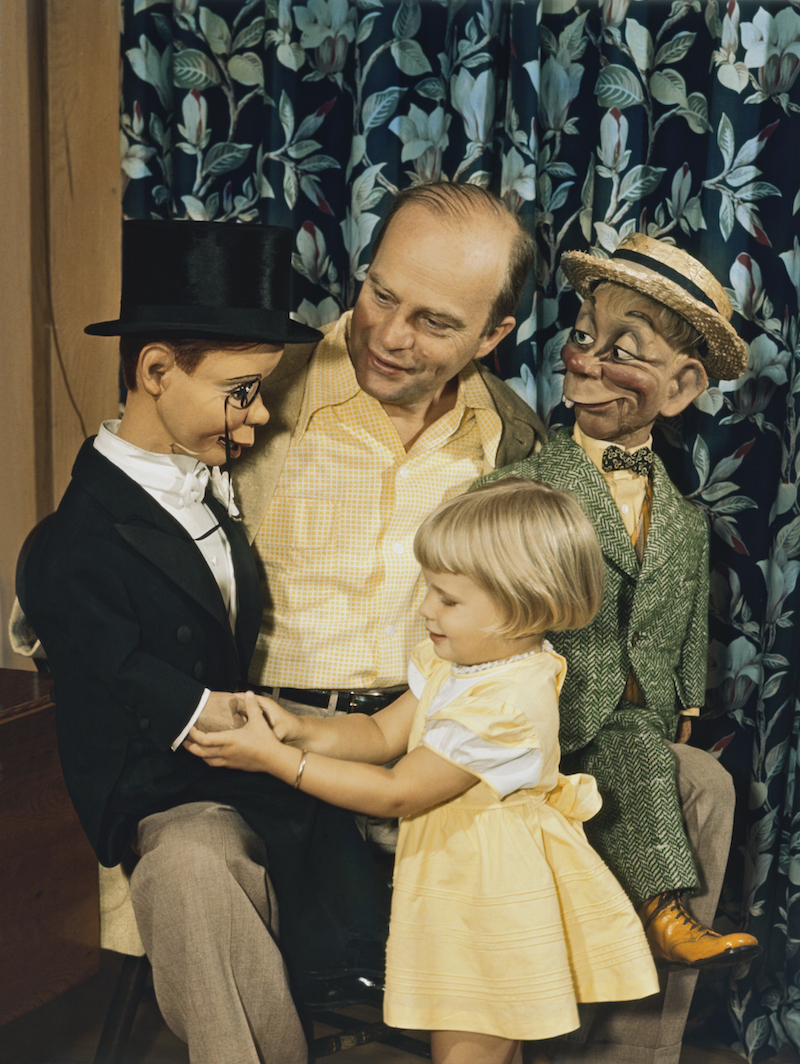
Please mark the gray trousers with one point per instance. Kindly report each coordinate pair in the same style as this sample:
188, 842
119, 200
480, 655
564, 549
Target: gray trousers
650, 1031
208, 921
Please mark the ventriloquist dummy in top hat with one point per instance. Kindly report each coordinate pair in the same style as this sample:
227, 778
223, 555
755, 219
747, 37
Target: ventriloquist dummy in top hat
144, 592
653, 327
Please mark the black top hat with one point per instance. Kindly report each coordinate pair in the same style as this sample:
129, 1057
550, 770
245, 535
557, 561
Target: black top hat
206, 280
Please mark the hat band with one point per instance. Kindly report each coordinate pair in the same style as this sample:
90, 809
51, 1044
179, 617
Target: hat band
205, 317
667, 272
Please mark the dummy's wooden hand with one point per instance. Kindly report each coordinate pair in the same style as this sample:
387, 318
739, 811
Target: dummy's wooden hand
684, 732
249, 747
222, 712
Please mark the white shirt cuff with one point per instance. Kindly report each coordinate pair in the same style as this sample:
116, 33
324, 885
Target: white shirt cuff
192, 719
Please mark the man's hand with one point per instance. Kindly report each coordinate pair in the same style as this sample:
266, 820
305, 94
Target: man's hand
684, 730
222, 712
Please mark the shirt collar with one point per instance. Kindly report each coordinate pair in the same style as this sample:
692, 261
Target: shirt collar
331, 378
594, 448
177, 480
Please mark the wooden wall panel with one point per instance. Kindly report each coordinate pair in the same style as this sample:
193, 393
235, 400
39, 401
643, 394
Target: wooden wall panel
60, 239
84, 218
24, 422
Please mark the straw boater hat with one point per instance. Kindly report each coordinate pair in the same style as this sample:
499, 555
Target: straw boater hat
667, 274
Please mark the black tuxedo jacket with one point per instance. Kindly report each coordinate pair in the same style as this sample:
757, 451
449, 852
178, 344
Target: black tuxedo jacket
135, 627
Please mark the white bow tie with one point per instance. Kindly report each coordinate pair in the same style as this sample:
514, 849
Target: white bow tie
192, 488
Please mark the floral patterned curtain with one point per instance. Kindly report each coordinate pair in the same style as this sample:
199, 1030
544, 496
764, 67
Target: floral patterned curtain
592, 120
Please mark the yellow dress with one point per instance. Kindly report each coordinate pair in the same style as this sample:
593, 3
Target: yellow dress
503, 916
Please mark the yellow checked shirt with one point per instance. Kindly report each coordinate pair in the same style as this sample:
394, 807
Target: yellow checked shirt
627, 490
336, 541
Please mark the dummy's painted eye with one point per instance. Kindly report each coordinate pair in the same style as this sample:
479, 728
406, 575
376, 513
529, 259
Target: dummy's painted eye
624, 356
243, 394
581, 338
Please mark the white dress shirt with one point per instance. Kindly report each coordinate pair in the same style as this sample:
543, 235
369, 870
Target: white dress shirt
178, 484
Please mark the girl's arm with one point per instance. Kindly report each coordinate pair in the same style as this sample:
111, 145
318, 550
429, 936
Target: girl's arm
378, 738
418, 781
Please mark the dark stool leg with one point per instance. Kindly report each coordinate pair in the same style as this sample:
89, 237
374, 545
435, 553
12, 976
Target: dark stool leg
122, 1011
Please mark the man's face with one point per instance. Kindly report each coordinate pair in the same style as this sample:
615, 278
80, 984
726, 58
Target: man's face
621, 373
421, 313
192, 409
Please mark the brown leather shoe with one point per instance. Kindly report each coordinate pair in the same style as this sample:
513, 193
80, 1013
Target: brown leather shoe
676, 936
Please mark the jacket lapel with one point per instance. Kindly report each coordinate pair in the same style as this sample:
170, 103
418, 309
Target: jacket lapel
248, 590
521, 424
565, 465
667, 522
149, 529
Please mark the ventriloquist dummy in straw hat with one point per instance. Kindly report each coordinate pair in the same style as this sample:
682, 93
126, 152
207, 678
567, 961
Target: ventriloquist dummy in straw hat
144, 592
652, 329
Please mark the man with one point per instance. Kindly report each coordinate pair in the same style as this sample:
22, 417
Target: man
390, 414
144, 593
653, 326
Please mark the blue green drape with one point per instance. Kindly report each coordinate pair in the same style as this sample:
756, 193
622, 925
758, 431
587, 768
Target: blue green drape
592, 120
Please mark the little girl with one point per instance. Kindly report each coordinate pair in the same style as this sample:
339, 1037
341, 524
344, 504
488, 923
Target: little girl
503, 917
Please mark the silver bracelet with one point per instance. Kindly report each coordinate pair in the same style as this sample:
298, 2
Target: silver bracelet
300, 770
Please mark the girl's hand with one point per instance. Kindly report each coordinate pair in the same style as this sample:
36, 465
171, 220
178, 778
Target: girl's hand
250, 747
287, 727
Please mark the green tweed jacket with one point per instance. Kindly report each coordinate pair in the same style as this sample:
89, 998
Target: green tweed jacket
653, 618
256, 473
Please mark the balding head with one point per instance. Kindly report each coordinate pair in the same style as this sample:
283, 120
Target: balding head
463, 206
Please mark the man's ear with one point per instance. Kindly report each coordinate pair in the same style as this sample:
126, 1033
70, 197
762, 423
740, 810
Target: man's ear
689, 379
490, 341
155, 361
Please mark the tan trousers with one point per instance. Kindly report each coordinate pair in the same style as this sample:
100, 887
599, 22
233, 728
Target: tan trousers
650, 1031
208, 921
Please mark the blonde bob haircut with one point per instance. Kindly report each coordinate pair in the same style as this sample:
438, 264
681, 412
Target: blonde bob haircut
530, 547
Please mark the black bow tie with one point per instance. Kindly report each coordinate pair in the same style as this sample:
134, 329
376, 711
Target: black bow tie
640, 461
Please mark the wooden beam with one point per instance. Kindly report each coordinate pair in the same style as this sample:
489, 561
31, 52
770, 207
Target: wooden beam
60, 268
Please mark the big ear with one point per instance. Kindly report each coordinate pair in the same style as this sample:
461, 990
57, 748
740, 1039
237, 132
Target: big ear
689, 379
490, 341
155, 361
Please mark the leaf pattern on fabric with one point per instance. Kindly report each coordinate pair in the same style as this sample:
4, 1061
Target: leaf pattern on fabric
592, 120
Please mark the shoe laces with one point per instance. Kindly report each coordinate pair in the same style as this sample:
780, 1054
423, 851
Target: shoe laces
671, 899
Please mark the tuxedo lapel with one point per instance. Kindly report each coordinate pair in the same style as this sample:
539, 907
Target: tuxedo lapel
149, 529
248, 590
565, 465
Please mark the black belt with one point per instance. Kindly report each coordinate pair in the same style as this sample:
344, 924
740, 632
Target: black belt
361, 700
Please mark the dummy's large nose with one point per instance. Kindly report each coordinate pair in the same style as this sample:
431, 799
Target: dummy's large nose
581, 362
257, 413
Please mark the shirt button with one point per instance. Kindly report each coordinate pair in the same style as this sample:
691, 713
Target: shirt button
398, 548
184, 634
624, 507
635, 639
144, 723
390, 629
403, 471
199, 670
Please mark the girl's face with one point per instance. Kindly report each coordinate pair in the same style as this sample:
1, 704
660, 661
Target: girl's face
457, 615
192, 408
